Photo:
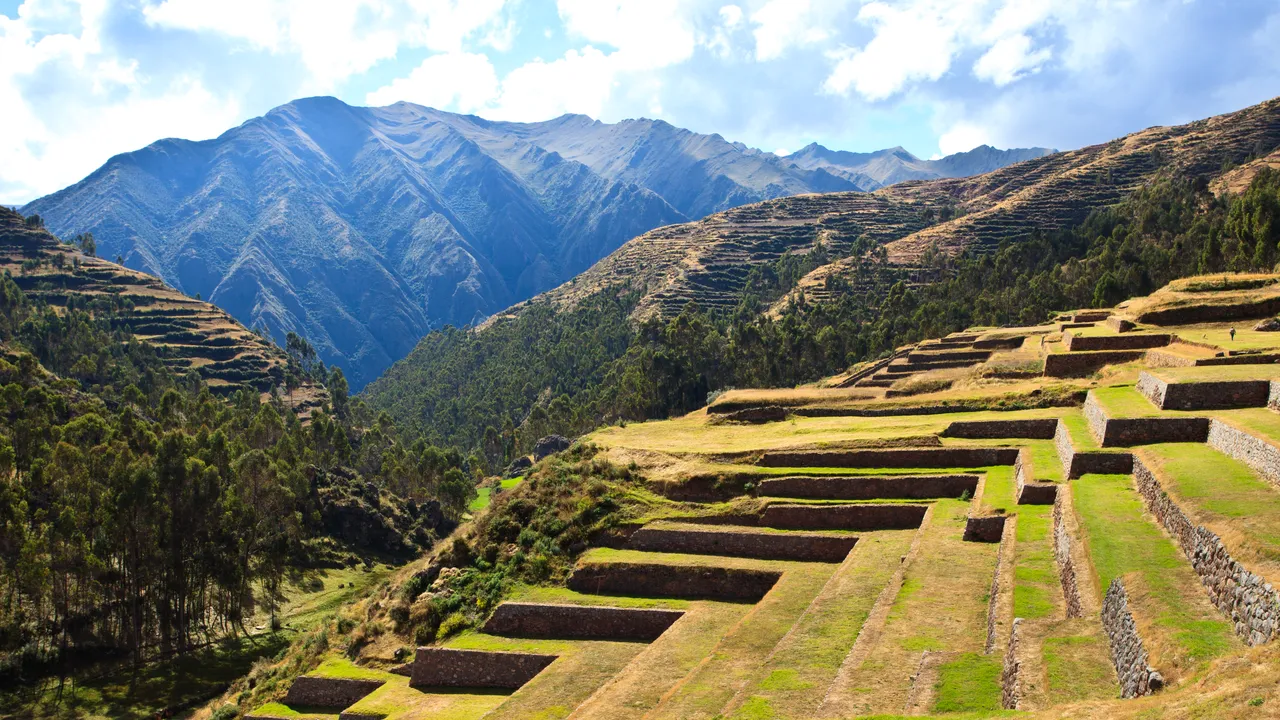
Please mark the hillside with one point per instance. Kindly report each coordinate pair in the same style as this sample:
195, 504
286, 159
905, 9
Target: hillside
363, 228
709, 260
188, 334
895, 165
622, 341
1075, 518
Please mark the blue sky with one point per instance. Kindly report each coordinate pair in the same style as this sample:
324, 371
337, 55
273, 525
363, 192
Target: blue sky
81, 80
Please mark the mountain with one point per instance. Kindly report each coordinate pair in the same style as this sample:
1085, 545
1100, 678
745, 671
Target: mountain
782, 292
887, 167
364, 228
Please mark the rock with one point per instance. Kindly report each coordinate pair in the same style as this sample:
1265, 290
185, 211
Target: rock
518, 467
1268, 325
550, 444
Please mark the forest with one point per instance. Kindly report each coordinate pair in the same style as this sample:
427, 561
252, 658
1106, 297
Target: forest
142, 516
544, 370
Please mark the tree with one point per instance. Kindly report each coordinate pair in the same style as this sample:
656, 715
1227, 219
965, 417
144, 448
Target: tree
87, 244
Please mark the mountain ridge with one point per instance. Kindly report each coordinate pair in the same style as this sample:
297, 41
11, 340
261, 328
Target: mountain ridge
364, 228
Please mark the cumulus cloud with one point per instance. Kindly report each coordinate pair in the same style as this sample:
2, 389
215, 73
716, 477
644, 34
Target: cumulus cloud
783, 24
465, 81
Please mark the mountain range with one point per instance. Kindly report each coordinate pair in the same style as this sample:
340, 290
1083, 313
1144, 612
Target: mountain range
364, 228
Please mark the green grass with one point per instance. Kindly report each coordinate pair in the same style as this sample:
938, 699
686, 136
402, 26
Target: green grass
1045, 460
998, 489
1078, 429
1261, 422
1124, 401
1078, 669
1217, 373
343, 668
1224, 494
1123, 543
793, 680
1035, 574
396, 700
276, 709
565, 596
484, 495
970, 683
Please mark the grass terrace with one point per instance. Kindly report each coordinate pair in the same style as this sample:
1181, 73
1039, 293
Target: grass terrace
1180, 627
1226, 496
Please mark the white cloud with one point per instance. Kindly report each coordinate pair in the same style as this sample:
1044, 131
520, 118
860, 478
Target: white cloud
103, 103
648, 34
962, 138
466, 82
1009, 59
336, 39
579, 82
783, 24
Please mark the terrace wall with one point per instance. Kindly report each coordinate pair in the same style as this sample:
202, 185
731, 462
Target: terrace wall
807, 547
1211, 313
1127, 652
844, 517
1077, 343
994, 429
1076, 464
1124, 432
327, 692
987, 529
1066, 567
579, 622
871, 487
892, 457
1072, 364
681, 581
1030, 492
1010, 682
446, 667
1253, 451
1246, 598
1204, 395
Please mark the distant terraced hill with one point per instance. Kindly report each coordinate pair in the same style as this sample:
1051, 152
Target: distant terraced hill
709, 260
190, 334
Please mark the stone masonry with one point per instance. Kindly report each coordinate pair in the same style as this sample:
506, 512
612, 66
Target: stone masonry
1066, 567
893, 457
1255, 452
1250, 601
579, 622
1137, 678
871, 487
1039, 429
1076, 464
844, 517
1010, 682
327, 692
1124, 432
806, 547
681, 581
446, 667
1030, 492
1203, 395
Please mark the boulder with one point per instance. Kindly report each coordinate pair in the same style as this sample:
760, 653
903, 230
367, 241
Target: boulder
518, 467
1268, 325
550, 444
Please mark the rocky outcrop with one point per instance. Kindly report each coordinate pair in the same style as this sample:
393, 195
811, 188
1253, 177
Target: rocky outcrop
548, 445
1250, 601
1128, 654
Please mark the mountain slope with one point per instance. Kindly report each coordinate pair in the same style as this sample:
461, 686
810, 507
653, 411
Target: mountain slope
709, 260
363, 228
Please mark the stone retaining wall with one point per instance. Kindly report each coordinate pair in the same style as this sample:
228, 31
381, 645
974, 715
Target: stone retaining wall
1159, 358
1255, 452
446, 667
925, 356
993, 429
893, 457
1120, 325
1007, 343
1010, 682
1075, 464
806, 547
918, 367
1211, 313
1129, 341
1251, 603
679, 581
1030, 492
987, 529
1066, 567
1125, 432
579, 622
327, 692
1072, 364
1127, 652
871, 487
844, 517
1204, 395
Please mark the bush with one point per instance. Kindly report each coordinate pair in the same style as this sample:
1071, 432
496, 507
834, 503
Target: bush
226, 712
